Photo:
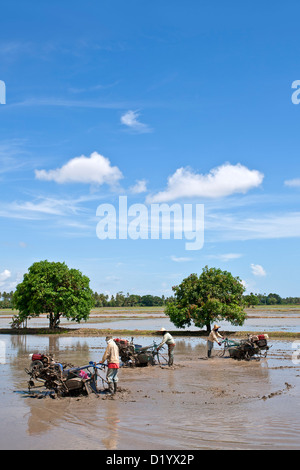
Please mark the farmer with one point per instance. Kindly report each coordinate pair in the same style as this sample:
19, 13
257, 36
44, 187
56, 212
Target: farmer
113, 363
214, 336
168, 339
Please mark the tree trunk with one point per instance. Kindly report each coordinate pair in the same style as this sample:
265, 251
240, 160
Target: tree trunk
208, 327
53, 320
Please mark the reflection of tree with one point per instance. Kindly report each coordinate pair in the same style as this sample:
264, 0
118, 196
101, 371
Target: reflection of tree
19, 342
26, 344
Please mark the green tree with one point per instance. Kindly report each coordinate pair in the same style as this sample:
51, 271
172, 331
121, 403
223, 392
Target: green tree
251, 300
132, 300
273, 299
213, 296
53, 288
101, 300
120, 299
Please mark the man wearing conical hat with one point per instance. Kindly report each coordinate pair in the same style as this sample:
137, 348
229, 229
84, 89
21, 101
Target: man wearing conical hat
169, 340
214, 336
111, 355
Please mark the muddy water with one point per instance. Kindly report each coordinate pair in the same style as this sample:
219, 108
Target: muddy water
199, 404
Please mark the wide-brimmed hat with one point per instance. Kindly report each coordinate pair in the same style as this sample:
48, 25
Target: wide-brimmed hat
162, 329
216, 327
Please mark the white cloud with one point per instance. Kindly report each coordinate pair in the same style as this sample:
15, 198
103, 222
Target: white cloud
131, 120
69, 103
180, 259
139, 187
258, 270
221, 181
5, 275
294, 183
8, 282
95, 169
39, 209
267, 226
42, 208
226, 256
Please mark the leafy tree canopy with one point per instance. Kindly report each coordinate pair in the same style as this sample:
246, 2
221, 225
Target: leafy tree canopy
53, 288
212, 296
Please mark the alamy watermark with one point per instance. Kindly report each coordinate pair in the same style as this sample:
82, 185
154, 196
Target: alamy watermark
296, 94
152, 222
2, 92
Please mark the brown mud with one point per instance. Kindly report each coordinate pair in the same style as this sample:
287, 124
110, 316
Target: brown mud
199, 403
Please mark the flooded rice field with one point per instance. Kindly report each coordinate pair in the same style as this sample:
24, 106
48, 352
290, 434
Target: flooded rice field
129, 319
198, 404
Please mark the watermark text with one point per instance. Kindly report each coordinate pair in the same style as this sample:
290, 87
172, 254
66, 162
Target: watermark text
2, 92
154, 222
296, 94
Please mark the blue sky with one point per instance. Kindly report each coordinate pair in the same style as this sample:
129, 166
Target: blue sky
175, 102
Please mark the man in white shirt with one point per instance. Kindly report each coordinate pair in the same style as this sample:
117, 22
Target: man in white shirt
169, 340
214, 336
111, 355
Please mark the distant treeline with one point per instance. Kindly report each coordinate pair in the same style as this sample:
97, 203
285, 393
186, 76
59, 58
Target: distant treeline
6, 299
129, 300
103, 300
134, 300
270, 299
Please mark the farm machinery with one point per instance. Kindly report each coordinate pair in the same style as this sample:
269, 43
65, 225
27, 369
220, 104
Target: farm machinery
134, 355
63, 379
254, 346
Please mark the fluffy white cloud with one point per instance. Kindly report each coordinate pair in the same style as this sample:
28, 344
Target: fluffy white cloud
8, 281
258, 270
131, 120
219, 182
95, 169
4, 276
